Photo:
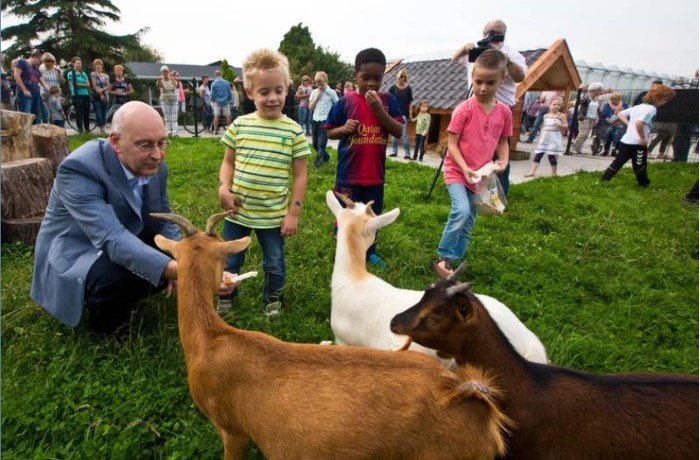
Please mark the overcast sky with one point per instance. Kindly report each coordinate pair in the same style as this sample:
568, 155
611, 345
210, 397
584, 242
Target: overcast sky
657, 36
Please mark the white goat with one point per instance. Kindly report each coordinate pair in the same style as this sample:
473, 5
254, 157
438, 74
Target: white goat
363, 304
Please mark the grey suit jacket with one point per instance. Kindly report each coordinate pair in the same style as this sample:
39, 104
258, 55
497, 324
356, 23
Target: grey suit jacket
91, 211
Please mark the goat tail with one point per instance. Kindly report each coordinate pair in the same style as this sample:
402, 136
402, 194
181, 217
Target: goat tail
472, 383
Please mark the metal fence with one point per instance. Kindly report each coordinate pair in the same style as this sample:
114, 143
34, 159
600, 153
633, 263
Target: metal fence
674, 131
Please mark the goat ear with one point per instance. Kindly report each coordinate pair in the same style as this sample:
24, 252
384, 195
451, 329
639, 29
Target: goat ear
463, 307
383, 220
165, 244
235, 246
333, 203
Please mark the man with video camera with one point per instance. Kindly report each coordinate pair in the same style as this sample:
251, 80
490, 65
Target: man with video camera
494, 35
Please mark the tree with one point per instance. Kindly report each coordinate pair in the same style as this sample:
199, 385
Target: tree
67, 28
305, 58
144, 53
227, 72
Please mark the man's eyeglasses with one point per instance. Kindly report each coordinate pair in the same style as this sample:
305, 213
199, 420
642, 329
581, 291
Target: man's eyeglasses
148, 146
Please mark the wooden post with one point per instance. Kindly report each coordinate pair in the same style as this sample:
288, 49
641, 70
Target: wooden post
25, 186
50, 142
16, 133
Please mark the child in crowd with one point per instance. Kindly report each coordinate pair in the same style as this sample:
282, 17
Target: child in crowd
320, 103
56, 113
633, 144
264, 149
479, 126
422, 127
349, 88
362, 121
552, 133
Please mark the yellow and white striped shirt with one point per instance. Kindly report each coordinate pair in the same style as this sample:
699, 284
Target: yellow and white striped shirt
265, 150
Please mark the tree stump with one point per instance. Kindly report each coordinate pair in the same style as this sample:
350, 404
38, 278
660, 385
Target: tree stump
24, 230
16, 134
50, 142
25, 187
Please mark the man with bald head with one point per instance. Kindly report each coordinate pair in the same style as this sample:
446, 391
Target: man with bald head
95, 246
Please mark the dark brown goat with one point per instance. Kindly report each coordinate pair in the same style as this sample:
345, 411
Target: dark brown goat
559, 413
302, 401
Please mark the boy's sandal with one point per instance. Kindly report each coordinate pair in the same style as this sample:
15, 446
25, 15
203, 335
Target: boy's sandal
443, 267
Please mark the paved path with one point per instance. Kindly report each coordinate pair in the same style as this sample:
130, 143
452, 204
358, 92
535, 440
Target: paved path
568, 164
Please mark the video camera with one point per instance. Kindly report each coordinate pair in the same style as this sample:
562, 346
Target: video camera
485, 43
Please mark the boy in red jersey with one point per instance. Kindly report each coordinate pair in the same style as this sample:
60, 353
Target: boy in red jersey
362, 121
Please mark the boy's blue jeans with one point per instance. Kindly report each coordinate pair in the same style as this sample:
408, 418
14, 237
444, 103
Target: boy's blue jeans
319, 140
458, 229
272, 244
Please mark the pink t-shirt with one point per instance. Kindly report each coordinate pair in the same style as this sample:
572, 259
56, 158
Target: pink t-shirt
479, 134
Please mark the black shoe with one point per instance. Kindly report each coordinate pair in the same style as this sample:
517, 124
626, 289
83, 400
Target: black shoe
394, 155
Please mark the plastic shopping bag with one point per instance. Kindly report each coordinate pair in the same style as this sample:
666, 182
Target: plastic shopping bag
490, 198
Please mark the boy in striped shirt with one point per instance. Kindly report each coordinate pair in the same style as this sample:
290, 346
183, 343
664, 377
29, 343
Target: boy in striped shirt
263, 150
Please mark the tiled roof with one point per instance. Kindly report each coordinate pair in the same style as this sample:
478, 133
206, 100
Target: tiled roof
151, 70
441, 82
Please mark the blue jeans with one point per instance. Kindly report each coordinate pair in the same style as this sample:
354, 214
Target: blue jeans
319, 139
272, 244
458, 229
30, 104
304, 120
404, 138
100, 112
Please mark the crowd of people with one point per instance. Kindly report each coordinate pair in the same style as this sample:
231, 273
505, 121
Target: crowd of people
263, 173
37, 85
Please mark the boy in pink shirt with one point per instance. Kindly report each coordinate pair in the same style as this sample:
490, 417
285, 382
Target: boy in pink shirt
479, 126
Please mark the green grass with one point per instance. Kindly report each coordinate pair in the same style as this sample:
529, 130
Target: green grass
605, 274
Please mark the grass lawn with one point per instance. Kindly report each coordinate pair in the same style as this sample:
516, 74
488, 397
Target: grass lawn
605, 274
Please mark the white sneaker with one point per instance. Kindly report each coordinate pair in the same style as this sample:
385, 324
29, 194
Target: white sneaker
272, 308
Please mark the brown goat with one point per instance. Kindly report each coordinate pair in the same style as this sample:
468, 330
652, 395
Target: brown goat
559, 413
302, 401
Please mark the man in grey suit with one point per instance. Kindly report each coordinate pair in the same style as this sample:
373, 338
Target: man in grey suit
95, 245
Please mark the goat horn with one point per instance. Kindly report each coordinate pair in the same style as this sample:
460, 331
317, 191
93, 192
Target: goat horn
458, 288
368, 209
213, 220
453, 276
184, 224
347, 201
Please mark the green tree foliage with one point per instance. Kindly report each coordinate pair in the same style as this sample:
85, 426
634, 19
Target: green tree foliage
306, 58
67, 28
227, 72
143, 53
